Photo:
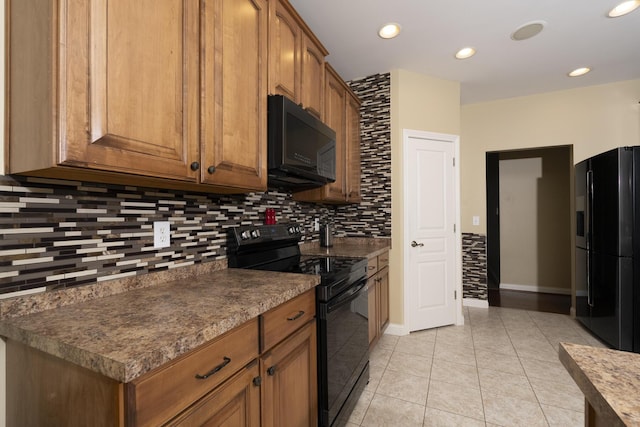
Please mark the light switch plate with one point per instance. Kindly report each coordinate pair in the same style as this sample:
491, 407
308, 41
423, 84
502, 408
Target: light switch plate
161, 234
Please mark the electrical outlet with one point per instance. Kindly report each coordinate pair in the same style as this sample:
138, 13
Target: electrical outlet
161, 234
476, 220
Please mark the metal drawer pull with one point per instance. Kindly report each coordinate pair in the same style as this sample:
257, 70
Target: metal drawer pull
214, 370
297, 316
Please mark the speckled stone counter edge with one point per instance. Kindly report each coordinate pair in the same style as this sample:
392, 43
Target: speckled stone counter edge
609, 380
125, 364
34, 303
349, 247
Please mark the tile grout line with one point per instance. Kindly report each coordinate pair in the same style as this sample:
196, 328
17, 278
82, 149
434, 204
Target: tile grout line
475, 356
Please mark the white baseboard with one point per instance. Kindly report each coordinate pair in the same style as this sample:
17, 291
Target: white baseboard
535, 288
396, 329
472, 302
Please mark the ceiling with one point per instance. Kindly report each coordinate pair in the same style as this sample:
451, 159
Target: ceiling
577, 34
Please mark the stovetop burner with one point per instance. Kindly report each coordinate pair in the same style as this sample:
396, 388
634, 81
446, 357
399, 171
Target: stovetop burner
275, 248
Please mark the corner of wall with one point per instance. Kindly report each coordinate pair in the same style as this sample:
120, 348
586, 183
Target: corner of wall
2, 83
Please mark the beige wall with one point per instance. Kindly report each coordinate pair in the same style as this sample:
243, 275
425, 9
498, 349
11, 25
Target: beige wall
592, 119
418, 102
535, 219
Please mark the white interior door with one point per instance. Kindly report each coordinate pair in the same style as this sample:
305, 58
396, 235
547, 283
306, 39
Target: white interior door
430, 235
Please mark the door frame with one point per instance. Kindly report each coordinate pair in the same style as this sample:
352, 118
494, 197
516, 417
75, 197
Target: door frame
406, 238
492, 162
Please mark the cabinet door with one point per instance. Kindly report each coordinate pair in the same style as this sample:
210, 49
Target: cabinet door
235, 403
289, 382
373, 309
285, 47
312, 89
383, 291
234, 93
352, 149
334, 114
129, 86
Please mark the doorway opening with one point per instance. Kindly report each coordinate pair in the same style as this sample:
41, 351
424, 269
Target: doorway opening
529, 250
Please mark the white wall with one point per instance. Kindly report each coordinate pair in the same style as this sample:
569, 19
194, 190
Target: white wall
592, 119
418, 102
519, 221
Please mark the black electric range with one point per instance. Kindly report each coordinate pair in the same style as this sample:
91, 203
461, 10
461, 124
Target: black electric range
341, 306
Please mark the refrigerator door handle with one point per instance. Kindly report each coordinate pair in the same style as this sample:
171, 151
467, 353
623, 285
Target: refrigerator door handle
589, 200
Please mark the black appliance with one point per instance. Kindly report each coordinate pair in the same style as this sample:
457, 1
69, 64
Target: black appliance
608, 246
341, 310
301, 149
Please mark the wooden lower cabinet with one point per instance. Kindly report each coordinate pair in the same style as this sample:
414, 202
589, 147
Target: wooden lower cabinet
383, 300
44, 390
226, 382
378, 297
289, 381
235, 403
373, 311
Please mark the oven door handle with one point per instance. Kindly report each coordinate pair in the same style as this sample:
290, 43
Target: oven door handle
347, 296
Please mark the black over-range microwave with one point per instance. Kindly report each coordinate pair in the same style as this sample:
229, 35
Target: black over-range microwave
301, 149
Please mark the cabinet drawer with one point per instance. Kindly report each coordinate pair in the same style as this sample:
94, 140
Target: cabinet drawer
278, 323
372, 267
383, 260
157, 396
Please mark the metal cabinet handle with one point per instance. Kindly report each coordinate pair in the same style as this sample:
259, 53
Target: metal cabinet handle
414, 244
257, 381
195, 166
214, 370
211, 169
297, 316
272, 370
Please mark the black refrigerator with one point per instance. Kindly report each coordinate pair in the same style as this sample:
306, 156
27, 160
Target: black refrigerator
608, 246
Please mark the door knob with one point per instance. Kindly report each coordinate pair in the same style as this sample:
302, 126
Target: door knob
414, 244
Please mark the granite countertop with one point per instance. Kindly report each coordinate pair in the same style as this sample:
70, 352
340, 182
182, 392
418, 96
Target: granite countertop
609, 379
126, 335
349, 247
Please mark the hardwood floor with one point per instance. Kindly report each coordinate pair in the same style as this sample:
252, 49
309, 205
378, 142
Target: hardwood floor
550, 303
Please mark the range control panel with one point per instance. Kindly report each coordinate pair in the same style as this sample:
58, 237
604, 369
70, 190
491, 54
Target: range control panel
254, 234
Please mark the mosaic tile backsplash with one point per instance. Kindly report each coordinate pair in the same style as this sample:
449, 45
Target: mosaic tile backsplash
56, 234
474, 266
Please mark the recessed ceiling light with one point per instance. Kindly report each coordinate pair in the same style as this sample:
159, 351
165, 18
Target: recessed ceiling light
579, 72
465, 52
528, 30
624, 8
389, 31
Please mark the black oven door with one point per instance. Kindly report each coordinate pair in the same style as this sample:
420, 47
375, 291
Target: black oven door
343, 349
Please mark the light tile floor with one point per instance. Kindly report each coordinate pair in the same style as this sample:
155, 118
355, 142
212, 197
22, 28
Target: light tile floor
500, 369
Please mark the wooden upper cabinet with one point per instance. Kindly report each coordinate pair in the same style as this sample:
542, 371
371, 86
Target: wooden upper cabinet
312, 76
296, 59
285, 52
129, 86
352, 144
342, 114
234, 93
168, 93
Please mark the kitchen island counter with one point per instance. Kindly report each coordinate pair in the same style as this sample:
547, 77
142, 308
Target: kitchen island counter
609, 380
125, 335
